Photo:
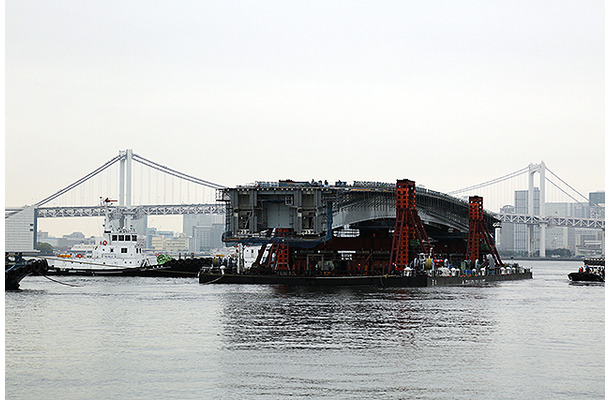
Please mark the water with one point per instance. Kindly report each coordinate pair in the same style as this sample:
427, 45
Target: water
145, 338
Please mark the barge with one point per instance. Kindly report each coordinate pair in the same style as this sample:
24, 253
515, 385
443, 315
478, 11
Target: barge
363, 280
364, 235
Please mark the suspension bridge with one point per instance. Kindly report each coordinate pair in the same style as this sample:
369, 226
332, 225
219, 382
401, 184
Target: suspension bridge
529, 197
530, 205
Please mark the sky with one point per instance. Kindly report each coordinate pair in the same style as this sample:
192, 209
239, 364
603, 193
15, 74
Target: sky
446, 93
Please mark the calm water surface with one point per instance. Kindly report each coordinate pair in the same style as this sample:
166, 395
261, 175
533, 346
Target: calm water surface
158, 338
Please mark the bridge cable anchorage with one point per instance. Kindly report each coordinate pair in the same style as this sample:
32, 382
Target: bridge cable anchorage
491, 182
175, 173
78, 182
565, 183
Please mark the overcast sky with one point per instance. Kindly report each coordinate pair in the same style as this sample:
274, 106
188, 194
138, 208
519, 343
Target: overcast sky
446, 93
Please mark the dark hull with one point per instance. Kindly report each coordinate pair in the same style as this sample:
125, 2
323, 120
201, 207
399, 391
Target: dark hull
13, 280
144, 272
585, 277
376, 281
15, 272
181, 268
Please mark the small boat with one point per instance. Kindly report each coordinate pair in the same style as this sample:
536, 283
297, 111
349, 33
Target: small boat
117, 253
16, 268
592, 271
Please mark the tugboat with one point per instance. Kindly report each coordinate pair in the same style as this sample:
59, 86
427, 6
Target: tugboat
119, 252
16, 268
592, 271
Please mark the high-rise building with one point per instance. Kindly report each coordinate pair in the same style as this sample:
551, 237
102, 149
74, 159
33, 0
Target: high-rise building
522, 236
205, 230
506, 238
597, 199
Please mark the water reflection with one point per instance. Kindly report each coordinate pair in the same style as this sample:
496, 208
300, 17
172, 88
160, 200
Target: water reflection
280, 317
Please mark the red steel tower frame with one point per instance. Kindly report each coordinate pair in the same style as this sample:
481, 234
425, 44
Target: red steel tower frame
478, 231
408, 226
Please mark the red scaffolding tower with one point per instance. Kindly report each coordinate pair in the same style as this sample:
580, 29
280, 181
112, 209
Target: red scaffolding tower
408, 226
478, 231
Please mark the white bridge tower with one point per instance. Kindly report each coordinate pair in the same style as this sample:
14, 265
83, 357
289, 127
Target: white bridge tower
125, 180
539, 169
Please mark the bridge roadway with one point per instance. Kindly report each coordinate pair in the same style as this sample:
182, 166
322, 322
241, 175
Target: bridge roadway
352, 209
360, 211
133, 211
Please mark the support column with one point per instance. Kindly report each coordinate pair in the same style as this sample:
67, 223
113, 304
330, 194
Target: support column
530, 240
541, 170
542, 240
542, 174
530, 190
128, 157
122, 178
125, 167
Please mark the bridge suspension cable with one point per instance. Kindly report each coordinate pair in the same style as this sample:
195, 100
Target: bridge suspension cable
175, 173
491, 182
78, 182
565, 183
563, 191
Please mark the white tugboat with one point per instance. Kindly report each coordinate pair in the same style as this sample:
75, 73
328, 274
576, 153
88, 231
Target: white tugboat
118, 252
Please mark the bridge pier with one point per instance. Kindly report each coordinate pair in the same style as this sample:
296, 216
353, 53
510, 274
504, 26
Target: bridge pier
542, 240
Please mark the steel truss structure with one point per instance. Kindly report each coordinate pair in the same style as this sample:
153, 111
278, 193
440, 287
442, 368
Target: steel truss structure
590, 223
134, 211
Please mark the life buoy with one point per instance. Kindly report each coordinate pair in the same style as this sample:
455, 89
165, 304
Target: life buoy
104, 243
79, 255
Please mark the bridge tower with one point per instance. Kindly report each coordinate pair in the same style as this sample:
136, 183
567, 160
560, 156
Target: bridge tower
539, 169
125, 181
408, 226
